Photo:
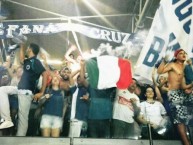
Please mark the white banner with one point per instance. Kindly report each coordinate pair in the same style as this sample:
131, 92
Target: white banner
44, 28
171, 29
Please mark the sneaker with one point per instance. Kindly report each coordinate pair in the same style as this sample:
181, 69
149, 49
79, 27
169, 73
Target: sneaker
1, 120
6, 124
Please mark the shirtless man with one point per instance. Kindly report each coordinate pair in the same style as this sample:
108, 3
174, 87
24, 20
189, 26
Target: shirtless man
176, 92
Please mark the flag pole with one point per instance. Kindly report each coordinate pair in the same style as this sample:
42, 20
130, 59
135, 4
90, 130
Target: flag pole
72, 17
150, 135
75, 38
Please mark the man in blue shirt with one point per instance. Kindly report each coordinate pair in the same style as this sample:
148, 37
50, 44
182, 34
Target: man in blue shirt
26, 90
79, 110
100, 109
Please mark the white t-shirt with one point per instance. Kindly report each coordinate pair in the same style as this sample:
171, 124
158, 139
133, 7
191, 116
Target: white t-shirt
123, 109
153, 112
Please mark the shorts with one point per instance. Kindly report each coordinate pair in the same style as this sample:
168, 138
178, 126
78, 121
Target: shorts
179, 111
51, 121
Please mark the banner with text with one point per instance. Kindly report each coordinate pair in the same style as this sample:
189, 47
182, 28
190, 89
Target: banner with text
171, 29
8, 28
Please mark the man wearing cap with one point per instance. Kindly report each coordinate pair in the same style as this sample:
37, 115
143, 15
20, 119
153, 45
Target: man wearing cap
176, 93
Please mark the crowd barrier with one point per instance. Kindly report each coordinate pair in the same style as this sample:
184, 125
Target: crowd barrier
80, 141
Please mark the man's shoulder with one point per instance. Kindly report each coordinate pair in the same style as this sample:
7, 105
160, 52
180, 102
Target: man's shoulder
36, 59
126, 93
32, 59
172, 63
122, 91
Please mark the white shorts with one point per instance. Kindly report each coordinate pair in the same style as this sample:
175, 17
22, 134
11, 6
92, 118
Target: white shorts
50, 121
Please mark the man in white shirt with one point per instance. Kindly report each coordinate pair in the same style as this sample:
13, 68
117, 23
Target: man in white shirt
126, 105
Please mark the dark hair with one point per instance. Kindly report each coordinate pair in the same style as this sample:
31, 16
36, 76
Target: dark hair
65, 68
79, 77
35, 48
135, 80
149, 86
71, 55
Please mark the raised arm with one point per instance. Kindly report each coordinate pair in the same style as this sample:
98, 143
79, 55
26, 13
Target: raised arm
75, 73
69, 51
82, 73
153, 77
9, 67
164, 67
71, 80
22, 53
157, 91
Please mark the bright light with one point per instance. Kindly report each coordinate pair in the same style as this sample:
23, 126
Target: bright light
89, 5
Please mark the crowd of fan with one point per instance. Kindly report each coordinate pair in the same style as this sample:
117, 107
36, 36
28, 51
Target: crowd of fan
70, 107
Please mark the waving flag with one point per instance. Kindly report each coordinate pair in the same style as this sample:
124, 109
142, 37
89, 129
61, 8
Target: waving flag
171, 29
109, 71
